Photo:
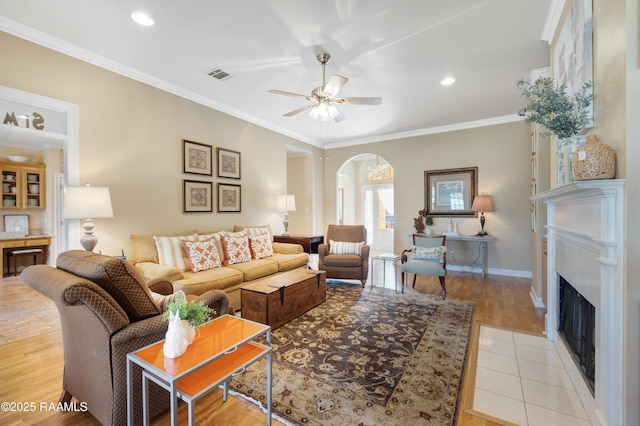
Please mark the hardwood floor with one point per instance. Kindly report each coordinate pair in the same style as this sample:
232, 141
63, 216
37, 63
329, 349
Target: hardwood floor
32, 368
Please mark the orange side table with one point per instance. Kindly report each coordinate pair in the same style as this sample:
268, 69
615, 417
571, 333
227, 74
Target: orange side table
222, 347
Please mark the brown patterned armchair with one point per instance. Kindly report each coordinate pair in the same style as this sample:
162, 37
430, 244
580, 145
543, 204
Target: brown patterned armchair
345, 254
106, 311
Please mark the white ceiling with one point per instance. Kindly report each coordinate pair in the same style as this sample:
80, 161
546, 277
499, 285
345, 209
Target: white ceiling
396, 49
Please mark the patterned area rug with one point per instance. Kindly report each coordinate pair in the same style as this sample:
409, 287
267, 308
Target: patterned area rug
367, 357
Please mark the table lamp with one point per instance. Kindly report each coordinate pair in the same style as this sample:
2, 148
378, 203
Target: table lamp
482, 203
286, 203
87, 202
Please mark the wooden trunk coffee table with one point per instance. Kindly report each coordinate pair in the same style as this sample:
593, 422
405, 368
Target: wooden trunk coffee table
278, 299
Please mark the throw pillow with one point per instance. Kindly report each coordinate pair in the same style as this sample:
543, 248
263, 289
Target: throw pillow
170, 251
236, 249
434, 254
216, 236
254, 230
345, 247
202, 255
260, 246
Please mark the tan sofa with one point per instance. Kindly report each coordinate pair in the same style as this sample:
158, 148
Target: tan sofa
229, 278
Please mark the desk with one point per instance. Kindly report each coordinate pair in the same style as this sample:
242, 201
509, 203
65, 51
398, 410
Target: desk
221, 348
24, 242
482, 241
309, 243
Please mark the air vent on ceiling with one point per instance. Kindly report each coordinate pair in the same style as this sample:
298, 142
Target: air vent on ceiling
219, 74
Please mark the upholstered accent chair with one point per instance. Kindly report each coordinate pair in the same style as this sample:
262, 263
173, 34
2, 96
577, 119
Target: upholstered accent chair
106, 311
345, 253
427, 256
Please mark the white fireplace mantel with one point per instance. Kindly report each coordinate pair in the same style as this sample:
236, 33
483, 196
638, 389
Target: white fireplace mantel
585, 243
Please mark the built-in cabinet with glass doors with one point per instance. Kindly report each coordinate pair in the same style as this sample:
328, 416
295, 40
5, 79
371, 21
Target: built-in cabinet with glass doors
23, 185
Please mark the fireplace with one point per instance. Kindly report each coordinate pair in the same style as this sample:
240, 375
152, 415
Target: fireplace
585, 257
577, 327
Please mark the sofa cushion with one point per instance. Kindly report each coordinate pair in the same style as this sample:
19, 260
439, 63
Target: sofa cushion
117, 277
342, 260
216, 236
170, 251
260, 246
256, 269
211, 279
143, 247
236, 249
201, 255
287, 262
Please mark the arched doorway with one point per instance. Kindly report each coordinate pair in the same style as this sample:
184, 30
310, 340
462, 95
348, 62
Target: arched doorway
365, 195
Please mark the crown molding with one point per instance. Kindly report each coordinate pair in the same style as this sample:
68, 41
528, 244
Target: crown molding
553, 18
429, 131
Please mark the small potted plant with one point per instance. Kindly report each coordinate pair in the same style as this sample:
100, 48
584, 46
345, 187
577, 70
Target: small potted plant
551, 106
192, 313
429, 222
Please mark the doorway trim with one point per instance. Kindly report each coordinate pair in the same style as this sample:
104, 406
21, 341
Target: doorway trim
68, 142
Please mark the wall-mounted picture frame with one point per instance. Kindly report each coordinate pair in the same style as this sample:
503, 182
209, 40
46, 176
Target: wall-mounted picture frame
197, 196
450, 192
228, 164
229, 198
197, 158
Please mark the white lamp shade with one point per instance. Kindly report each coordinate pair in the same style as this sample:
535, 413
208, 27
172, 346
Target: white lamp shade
87, 202
286, 203
482, 203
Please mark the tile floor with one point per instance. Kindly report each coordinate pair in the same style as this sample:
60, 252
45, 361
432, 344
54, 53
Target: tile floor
529, 380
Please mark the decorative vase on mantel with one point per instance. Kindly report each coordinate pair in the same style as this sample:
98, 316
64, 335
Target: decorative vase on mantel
593, 160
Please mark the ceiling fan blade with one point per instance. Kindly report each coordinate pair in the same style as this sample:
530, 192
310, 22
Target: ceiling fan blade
298, 111
294, 95
359, 101
334, 84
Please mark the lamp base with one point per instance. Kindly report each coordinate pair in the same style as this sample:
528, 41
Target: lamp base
285, 222
88, 241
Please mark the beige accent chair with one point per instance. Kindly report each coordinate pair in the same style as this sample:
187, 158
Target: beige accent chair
410, 265
345, 266
106, 311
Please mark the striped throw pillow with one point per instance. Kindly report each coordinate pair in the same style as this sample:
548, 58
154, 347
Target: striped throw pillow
170, 251
345, 247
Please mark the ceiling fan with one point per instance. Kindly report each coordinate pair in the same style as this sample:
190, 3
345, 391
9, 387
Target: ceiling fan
325, 97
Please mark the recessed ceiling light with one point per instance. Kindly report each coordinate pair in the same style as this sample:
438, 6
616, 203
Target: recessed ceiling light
448, 81
142, 19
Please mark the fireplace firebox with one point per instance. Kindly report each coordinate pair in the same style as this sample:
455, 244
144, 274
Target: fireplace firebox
576, 326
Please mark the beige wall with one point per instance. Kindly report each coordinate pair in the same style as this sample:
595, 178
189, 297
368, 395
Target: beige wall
130, 139
300, 179
502, 155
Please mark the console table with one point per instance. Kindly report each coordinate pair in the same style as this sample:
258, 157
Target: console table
309, 243
482, 241
221, 348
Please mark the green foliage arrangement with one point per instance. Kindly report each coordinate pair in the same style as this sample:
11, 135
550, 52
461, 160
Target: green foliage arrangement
428, 221
196, 313
551, 106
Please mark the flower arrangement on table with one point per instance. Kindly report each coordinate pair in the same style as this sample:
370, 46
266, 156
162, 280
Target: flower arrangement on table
184, 320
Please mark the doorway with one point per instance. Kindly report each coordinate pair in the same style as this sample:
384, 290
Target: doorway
365, 195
